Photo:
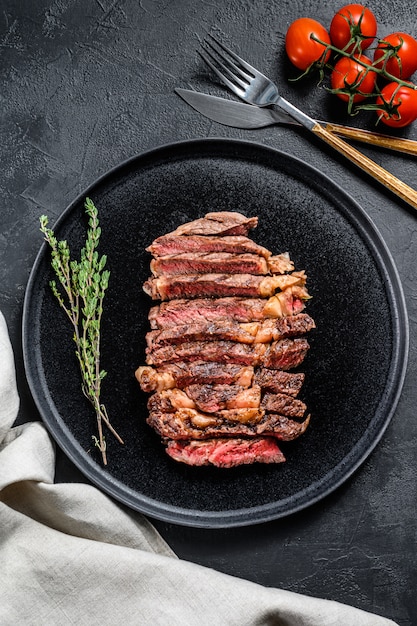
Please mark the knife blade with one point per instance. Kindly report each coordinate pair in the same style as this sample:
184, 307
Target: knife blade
231, 113
250, 117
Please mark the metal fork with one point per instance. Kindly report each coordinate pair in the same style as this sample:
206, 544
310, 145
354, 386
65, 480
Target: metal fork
255, 88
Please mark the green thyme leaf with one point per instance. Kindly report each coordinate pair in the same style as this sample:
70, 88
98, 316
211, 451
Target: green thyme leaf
80, 293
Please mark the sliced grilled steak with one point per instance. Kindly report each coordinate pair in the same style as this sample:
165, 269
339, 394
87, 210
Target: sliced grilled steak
178, 312
226, 453
176, 244
173, 400
183, 374
283, 327
278, 381
212, 285
169, 401
283, 355
202, 372
286, 353
283, 405
181, 311
218, 223
229, 330
191, 424
209, 263
204, 331
214, 398
219, 351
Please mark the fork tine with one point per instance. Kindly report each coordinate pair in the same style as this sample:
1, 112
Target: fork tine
222, 77
232, 86
236, 71
220, 67
249, 68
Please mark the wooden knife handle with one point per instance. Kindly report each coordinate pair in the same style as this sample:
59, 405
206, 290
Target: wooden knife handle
399, 144
367, 165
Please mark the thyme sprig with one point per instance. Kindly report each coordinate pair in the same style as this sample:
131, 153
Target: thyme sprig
80, 292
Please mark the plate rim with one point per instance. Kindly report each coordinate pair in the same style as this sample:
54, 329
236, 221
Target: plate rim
243, 516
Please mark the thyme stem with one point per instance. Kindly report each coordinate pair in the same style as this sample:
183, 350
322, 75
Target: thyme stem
80, 293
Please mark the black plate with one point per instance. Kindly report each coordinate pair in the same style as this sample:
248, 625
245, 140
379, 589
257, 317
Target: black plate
354, 370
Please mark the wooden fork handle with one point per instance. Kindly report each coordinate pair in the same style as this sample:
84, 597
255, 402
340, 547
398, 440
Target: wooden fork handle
399, 144
367, 165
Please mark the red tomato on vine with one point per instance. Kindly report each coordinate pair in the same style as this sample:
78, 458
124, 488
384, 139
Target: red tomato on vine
356, 81
401, 105
353, 23
301, 48
398, 52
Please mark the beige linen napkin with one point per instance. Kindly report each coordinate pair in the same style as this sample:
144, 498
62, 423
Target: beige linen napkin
69, 555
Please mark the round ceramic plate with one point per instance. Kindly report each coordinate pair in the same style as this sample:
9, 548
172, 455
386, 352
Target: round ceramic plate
354, 369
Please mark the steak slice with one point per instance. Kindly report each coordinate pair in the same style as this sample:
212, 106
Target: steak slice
182, 374
225, 452
173, 400
286, 353
214, 398
290, 326
209, 263
283, 355
186, 375
185, 424
283, 405
219, 351
169, 401
218, 223
278, 381
283, 327
212, 285
204, 331
179, 312
176, 244
229, 330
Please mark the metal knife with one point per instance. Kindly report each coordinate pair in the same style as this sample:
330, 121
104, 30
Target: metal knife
240, 115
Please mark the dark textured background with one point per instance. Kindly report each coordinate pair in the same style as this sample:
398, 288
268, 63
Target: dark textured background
87, 84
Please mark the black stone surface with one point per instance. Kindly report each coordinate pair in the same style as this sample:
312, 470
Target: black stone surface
86, 85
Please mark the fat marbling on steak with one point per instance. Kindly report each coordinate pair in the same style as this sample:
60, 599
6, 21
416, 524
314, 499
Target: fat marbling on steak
230, 330
171, 287
183, 373
211, 398
187, 424
170, 313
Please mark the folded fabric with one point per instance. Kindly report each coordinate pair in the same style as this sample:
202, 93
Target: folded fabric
70, 555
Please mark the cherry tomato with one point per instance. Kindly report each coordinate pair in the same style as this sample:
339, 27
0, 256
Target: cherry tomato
351, 75
403, 102
401, 63
353, 21
301, 49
